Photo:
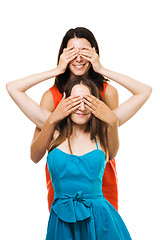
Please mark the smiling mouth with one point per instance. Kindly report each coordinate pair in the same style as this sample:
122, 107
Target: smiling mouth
82, 114
80, 66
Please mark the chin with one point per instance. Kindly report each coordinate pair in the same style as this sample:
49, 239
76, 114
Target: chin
80, 120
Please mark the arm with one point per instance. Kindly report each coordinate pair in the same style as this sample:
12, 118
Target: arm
17, 89
47, 103
43, 138
141, 92
111, 99
41, 141
30, 108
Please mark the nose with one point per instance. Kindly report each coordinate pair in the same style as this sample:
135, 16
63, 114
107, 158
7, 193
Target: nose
82, 106
78, 58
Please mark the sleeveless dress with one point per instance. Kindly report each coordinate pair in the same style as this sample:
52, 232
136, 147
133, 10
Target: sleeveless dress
79, 210
109, 181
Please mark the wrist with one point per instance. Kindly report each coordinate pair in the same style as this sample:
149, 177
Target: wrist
113, 121
57, 71
51, 120
101, 70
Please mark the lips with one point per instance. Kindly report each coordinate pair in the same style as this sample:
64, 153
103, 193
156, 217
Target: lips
82, 114
79, 66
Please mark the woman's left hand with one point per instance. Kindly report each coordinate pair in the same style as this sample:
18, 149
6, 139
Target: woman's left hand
99, 109
91, 55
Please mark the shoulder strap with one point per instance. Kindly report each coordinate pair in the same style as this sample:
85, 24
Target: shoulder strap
96, 142
104, 89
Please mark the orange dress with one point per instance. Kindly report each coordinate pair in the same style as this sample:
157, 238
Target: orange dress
109, 182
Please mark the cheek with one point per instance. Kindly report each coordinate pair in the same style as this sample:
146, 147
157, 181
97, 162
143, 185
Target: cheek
88, 65
89, 116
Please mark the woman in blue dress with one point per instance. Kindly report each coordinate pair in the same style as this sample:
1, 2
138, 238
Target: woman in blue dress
81, 135
76, 161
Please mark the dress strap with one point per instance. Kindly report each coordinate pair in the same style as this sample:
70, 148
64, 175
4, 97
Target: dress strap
96, 142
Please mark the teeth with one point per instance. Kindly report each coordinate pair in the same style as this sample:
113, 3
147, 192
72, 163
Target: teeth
79, 66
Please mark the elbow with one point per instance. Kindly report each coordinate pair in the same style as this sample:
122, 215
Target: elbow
34, 156
34, 159
9, 87
147, 92
150, 91
113, 155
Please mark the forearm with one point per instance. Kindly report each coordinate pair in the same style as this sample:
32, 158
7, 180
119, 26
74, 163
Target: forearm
40, 144
23, 84
112, 141
31, 109
135, 87
28, 106
112, 134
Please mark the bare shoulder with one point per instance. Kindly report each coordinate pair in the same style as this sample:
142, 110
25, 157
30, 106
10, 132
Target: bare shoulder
111, 97
47, 101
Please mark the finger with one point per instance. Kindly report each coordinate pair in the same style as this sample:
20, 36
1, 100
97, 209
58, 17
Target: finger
88, 57
90, 52
91, 98
87, 47
73, 104
71, 55
90, 109
85, 53
90, 48
73, 98
73, 108
85, 57
91, 105
69, 48
67, 53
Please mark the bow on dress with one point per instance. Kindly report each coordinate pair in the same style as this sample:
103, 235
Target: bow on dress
71, 208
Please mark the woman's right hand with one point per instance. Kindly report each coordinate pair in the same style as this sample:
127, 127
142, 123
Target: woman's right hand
64, 108
68, 55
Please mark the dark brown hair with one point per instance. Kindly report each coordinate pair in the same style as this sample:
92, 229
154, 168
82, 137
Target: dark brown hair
79, 32
95, 126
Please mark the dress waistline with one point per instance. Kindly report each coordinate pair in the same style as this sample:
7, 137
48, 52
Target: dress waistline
77, 196
72, 208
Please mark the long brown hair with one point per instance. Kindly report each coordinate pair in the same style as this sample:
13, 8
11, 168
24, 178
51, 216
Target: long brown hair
79, 32
95, 126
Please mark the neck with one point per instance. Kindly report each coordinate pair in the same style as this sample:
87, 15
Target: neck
72, 75
78, 129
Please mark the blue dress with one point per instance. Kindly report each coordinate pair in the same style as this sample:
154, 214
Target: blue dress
79, 210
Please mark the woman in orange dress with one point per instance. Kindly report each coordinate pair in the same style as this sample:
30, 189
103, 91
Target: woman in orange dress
78, 56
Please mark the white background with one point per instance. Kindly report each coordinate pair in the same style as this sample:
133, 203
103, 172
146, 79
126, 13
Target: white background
128, 37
